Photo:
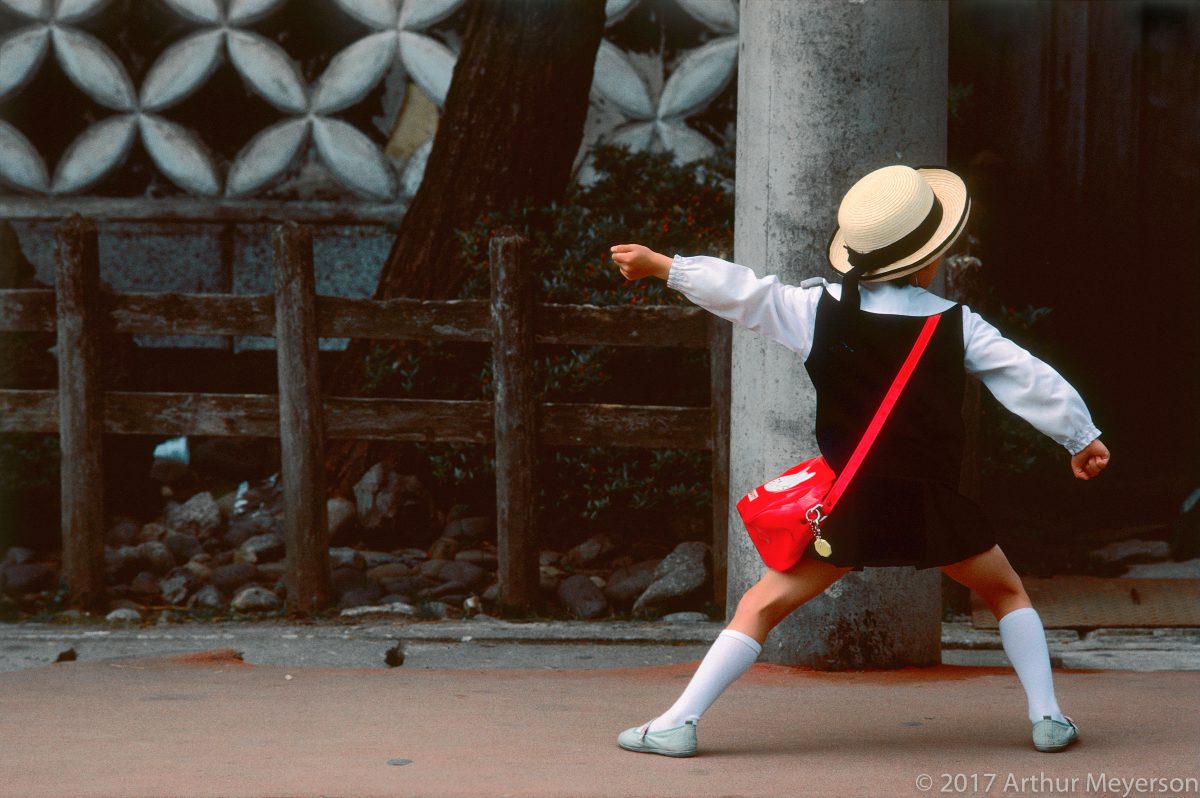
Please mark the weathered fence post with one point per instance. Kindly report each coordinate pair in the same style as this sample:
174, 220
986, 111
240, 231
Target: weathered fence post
80, 412
301, 422
516, 412
720, 346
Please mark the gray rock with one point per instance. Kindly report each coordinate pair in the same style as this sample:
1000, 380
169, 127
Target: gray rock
340, 514
270, 571
471, 529
151, 531
360, 597
445, 589
156, 557
176, 586
345, 557
200, 566
549, 577
207, 597
122, 615
437, 609
244, 526
261, 548
346, 579
680, 580
395, 503
464, 572
548, 557
433, 568
183, 547
232, 576
374, 559
255, 599
1128, 551
28, 577
492, 593
199, 516
394, 598
483, 559
123, 533
626, 584
582, 597
144, 584
590, 550
406, 585
226, 503
390, 570
685, 617
445, 548
122, 564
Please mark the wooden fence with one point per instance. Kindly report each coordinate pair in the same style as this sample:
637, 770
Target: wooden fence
517, 421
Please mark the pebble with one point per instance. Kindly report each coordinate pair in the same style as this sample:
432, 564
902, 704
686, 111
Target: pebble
686, 617
393, 608
123, 614
255, 599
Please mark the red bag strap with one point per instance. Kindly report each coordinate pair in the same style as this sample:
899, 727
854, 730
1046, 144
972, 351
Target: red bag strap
889, 401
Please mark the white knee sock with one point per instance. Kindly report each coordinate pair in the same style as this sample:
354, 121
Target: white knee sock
1024, 642
731, 655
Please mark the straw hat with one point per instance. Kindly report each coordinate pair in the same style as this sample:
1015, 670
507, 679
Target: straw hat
897, 220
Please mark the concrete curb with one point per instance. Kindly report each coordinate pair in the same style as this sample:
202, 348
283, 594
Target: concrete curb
495, 643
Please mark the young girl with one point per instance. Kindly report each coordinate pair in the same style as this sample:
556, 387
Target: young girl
903, 506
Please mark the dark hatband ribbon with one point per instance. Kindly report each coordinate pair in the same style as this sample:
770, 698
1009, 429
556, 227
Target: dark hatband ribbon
862, 262
899, 250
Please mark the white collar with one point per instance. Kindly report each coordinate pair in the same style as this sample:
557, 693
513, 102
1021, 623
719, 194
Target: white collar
895, 298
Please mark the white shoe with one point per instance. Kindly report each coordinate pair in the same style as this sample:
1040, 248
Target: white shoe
679, 741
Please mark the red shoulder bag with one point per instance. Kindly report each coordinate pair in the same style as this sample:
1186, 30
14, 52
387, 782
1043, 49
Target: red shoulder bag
784, 514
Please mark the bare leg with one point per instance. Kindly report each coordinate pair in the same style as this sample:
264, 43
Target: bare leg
991, 576
779, 593
1024, 639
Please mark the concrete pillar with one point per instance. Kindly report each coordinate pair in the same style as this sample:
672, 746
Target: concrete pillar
827, 91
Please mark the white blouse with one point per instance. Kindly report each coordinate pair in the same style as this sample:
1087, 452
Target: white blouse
787, 314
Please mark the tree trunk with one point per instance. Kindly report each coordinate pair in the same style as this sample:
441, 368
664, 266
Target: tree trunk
511, 129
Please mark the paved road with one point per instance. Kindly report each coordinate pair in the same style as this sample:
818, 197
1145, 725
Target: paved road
209, 724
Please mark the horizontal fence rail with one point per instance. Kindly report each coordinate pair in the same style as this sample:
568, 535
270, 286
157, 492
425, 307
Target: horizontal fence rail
428, 420
32, 310
516, 422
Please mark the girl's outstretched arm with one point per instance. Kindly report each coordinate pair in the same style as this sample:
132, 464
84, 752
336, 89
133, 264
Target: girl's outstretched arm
784, 313
1034, 391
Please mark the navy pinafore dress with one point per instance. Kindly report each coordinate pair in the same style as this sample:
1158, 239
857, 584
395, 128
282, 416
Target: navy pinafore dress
903, 506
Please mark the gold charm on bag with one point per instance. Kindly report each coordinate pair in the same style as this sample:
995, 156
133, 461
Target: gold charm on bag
815, 519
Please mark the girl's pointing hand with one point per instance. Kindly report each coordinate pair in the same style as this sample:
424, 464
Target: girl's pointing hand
637, 261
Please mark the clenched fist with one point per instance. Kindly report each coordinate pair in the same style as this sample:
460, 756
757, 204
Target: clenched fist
637, 261
1091, 461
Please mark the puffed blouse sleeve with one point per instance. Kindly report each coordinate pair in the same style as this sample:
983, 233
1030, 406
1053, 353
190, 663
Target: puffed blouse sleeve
782, 312
1026, 385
